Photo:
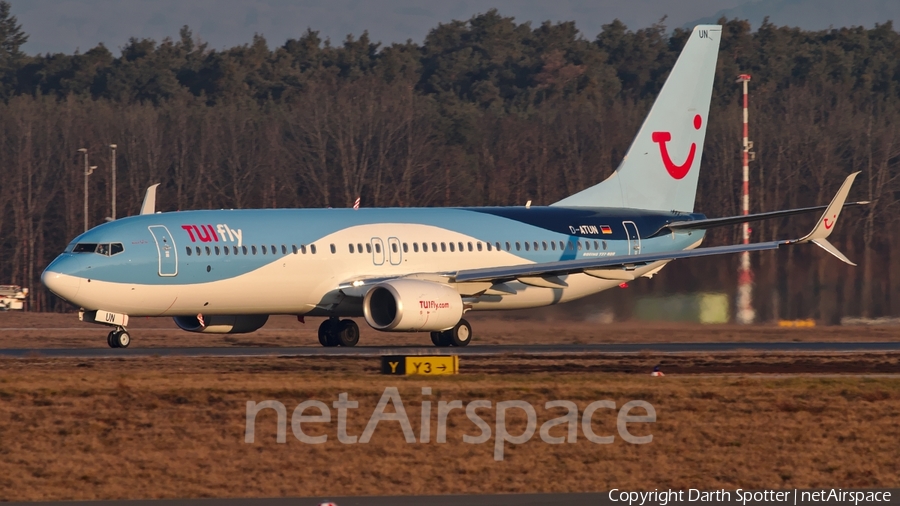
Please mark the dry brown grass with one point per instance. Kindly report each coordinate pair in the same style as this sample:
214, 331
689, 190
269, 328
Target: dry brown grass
54, 330
146, 428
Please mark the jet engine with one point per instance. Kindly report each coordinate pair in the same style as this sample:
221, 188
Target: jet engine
412, 305
222, 324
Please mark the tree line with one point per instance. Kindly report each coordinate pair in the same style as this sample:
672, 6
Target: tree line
485, 111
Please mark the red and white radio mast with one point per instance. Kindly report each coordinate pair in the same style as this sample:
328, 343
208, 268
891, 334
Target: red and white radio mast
745, 312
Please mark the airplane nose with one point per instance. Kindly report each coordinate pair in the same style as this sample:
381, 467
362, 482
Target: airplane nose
63, 285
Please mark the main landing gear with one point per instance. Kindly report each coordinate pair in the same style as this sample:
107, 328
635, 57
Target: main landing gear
459, 335
335, 332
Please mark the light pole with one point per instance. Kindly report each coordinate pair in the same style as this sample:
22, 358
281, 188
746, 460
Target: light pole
745, 312
112, 147
87, 172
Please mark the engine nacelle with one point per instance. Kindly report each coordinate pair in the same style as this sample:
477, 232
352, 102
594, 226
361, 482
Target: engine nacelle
412, 305
222, 324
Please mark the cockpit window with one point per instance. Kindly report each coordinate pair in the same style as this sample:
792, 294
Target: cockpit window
101, 249
85, 247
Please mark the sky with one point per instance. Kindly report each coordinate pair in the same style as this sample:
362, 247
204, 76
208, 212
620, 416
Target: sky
65, 26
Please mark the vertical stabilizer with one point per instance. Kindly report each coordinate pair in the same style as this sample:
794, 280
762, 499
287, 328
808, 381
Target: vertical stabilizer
661, 169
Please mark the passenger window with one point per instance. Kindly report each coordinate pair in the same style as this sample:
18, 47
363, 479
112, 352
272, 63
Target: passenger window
579, 245
359, 247
507, 246
488, 246
518, 246
535, 245
235, 250
434, 247
225, 250
274, 250
596, 245
351, 248
470, 246
425, 247
284, 249
416, 247
394, 247
443, 246
217, 251
562, 245
208, 252
333, 249
460, 247
252, 249
587, 245
405, 248
571, 246
188, 250
294, 248
368, 247
478, 245
377, 247
497, 245
526, 246
451, 246
303, 249
263, 248
244, 250
604, 245
553, 245
312, 249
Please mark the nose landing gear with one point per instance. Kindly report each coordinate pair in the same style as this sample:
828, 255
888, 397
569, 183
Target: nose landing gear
118, 338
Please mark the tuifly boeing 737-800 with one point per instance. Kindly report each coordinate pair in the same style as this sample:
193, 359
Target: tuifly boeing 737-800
418, 270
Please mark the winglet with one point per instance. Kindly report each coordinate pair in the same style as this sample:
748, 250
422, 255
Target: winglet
826, 223
829, 219
149, 205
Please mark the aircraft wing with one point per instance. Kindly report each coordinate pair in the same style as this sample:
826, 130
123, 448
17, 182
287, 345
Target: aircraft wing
818, 236
619, 267
732, 220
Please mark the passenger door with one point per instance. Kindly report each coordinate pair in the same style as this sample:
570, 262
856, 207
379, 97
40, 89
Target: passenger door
634, 238
165, 248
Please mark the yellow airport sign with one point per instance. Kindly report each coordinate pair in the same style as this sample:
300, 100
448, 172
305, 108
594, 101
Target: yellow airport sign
429, 366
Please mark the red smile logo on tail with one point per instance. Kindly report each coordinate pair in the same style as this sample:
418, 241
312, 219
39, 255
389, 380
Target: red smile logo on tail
675, 170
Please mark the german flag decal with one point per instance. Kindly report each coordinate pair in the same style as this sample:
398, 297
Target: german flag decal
606, 229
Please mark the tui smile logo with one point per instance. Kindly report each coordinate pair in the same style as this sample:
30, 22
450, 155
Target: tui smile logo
675, 170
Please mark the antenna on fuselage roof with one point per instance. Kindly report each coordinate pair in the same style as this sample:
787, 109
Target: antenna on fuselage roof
149, 205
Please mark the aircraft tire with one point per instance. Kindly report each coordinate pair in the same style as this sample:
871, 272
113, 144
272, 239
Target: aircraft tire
347, 333
441, 339
122, 339
326, 334
110, 339
461, 334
